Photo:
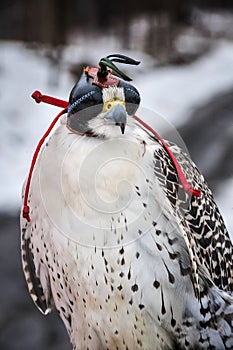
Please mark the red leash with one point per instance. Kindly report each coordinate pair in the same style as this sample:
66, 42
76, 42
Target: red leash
56, 102
187, 187
38, 97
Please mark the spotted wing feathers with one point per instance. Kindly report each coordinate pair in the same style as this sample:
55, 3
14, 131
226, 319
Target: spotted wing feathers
200, 216
39, 296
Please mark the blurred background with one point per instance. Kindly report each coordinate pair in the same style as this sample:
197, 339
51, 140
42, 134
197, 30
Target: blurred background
186, 75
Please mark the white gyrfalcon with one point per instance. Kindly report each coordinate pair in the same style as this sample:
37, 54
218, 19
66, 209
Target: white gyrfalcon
124, 238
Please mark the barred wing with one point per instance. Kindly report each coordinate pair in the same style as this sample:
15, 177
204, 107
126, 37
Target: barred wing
201, 215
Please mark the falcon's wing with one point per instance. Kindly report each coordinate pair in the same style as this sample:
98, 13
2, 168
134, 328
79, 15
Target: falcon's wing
200, 215
41, 295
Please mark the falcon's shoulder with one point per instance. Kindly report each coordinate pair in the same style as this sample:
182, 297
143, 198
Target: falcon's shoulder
37, 282
199, 214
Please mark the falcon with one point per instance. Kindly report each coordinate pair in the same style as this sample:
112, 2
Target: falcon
119, 230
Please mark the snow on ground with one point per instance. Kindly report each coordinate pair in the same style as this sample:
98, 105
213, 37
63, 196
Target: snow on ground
171, 91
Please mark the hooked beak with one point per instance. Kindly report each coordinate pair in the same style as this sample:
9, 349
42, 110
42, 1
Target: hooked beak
117, 115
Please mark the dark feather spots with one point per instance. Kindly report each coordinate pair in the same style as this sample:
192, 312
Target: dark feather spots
121, 251
173, 256
204, 311
184, 270
159, 246
163, 309
134, 288
187, 324
172, 241
173, 322
63, 309
171, 277
141, 306
201, 340
70, 308
172, 177
156, 284
225, 281
171, 199
137, 255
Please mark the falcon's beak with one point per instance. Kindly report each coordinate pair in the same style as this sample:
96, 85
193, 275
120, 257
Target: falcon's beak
116, 114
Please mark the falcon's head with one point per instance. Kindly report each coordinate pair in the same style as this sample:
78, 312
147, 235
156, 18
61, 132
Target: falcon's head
101, 104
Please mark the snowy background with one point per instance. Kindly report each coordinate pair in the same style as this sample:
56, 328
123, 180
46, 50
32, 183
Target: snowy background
191, 87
